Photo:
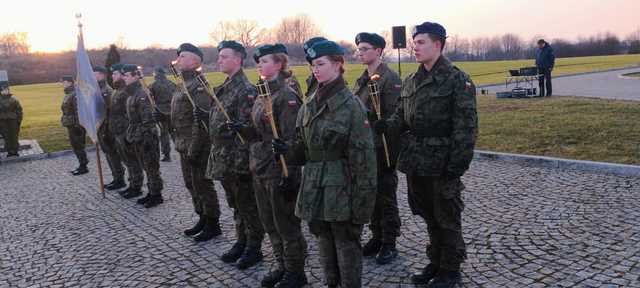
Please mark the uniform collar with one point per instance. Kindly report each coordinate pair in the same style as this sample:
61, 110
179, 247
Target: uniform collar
330, 95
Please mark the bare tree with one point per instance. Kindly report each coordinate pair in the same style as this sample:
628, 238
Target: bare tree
512, 46
296, 29
633, 42
12, 44
246, 32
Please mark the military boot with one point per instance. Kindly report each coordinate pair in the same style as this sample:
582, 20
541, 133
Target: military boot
273, 277
387, 253
115, 184
251, 256
166, 158
82, 169
423, 277
131, 192
211, 229
292, 280
144, 199
445, 279
372, 247
153, 201
195, 229
234, 253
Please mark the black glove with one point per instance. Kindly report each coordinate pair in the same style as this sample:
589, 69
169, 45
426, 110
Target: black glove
234, 126
200, 115
279, 147
157, 116
380, 126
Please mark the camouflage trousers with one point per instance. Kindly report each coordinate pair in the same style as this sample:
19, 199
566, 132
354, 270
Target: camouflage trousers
240, 196
127, 153
109, 148
165, 138
439, 202
340, 252
77, 138
281, 224
148, 154
9, 131
203, 193
385, 220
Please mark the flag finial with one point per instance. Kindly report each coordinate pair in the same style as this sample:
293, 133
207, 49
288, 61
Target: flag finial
78, 17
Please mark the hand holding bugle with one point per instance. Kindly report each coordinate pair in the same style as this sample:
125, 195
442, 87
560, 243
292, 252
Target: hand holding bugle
374, 95
264, 94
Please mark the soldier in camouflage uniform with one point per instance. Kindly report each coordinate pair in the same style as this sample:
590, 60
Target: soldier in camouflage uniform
193, 143
385, 222
437, 115
162, 91
336, 146
117, 124
229, 157
275, 193
142, 133
105, 138
77, 134
312, 83
10, 119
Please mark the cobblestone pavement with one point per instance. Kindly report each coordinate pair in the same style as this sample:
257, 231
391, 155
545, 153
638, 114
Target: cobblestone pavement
524, 227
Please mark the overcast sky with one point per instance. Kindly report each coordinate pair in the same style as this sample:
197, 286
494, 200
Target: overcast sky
51, 25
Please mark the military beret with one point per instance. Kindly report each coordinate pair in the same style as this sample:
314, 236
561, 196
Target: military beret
128, 68
68, 78
267, 49
100, 69
372, 38
159, 71
116, 67
4, 85
312, 41
431, 28
188, 47
233, 45
324, 48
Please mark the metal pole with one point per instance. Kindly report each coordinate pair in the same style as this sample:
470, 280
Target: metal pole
399, 69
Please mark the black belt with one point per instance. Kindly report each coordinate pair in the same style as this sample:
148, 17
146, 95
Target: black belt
428, 133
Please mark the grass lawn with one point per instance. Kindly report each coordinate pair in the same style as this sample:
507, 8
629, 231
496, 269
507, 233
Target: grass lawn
554, 127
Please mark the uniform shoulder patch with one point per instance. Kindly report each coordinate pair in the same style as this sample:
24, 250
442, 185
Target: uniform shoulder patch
292, 103
366, 124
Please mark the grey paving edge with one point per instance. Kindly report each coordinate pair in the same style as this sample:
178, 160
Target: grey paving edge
566, 75
27, 158
560, 163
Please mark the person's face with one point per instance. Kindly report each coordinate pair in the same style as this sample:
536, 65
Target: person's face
228, 61
129, 78
116, 76
5, 91
267, 67
187, 61
366, 53
540, 45
425, 49
99, 76
324, 69
66, 84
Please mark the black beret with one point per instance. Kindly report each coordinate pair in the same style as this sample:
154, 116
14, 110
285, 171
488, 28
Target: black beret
324, 48
188, 47
159, 70
267, 49
128, 68
4, 85
233, 45
312, 41
372, 38
431, 28
116, 67
68, 78
100, 69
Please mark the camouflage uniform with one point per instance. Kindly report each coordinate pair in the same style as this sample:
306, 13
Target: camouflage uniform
162, 91
107, 140
385, 221
292, 82
118, 123
312, 86
339, 178
10, 120
142, 135
276, 206
193, 144
229, 158
77, 134
437, 113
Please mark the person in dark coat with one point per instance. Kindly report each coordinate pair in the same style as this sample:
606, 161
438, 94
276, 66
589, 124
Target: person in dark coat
545, 60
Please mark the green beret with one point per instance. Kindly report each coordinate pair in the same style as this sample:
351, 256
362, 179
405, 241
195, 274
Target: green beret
116, 67
431, 28
4, 85
267, 49
312, 41
159, 71
188, 47
324, 48
128, 68
100, 69
67, 78
372, 38
233, 45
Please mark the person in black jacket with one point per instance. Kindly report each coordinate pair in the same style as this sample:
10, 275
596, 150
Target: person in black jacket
545, 60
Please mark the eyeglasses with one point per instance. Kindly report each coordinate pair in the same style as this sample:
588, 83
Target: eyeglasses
364, 49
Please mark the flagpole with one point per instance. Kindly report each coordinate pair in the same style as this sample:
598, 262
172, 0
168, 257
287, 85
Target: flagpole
98, 162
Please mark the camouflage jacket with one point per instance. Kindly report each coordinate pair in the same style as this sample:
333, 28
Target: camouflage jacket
312, 86
162, 90
189, 134
336, 144
437, 113
389, 86
10, 108
106, 91
285, 105
69, 108
228, 154
292, 82
117, 113
139, 111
